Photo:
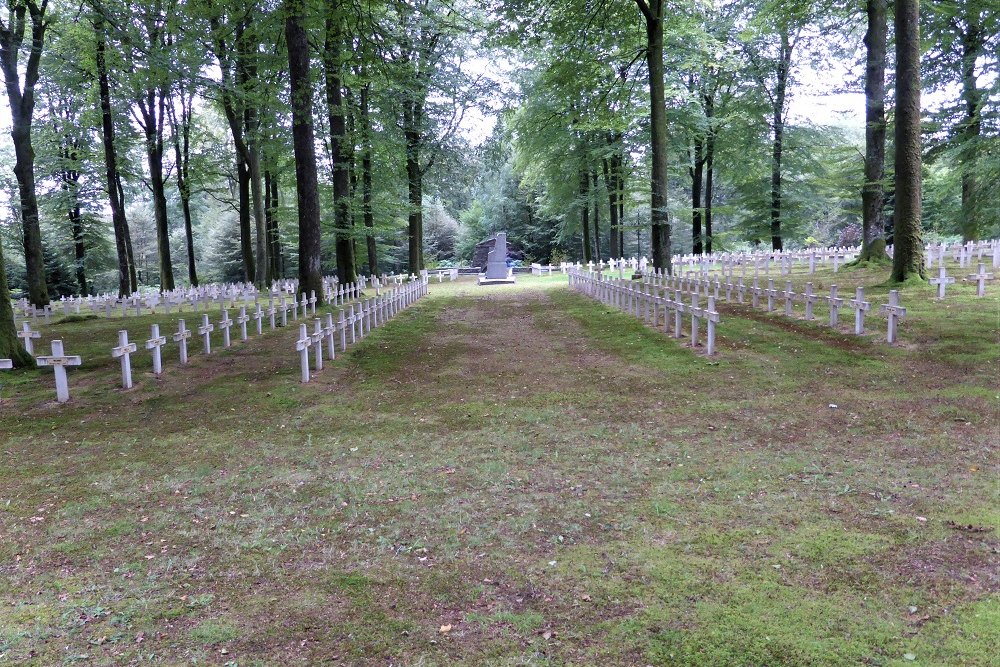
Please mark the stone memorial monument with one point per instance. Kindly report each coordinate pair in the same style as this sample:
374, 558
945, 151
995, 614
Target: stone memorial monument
497, 272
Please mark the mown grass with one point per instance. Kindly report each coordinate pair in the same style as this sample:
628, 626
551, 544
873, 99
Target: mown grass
515, 475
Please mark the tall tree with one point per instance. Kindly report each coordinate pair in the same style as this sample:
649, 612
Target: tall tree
180, 131
908, 250
653, 13
872, 194
333, 67
127, 279
21, 99
10, 344
306, 180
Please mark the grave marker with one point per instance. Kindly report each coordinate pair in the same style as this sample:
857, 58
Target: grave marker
302, 345
181, 338
26, 335
860, 307
155, 342
981, 276
124, 352
942, 281
205, 330
895, 313
59, 361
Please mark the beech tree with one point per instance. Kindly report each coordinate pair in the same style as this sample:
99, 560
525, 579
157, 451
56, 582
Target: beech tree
14, 28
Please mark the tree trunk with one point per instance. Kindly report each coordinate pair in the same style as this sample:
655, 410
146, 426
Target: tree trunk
778, 130
597, 216
872, 195
908, 249
697, 173
22, 107
973, 43
127, 283
154, 156
709, 187
612, 188
246, 231
366, 183
10, 344
588, 249
412, 117
332, 65
71, 185
271, 223
306, 181
182, 161
659, 181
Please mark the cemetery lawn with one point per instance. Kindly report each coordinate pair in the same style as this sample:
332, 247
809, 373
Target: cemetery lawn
514, 476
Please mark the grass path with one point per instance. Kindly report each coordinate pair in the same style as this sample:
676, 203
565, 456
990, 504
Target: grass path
516, 476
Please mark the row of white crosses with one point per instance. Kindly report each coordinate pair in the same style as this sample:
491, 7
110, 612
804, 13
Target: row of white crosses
858, 304
943, 280
354, 324
651, 304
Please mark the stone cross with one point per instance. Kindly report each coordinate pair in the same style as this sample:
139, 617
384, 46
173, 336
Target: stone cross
6, 364
305, 306
59, 361
312, 301
26, 334
271, 311
205, 331
242, 320
712, 318
328, 332
679, 309
225, 324
342, 328
351, 319
755, 293
835, 304
895, 313
284, 310
259, 316
302, 345
155, 342
317, 343
124, 352
181, 337
941, 281
809, 298
860, 307
771, 294
980, 277
789, 298
696, 315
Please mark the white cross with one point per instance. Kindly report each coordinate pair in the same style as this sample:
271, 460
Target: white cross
181, 337
696, 315
26, 334
980, 277
342, 328
259, 316
205, 331
225, 324
302, 345
860, 307
312, 301
712, 317
305, 306
895, 313
835, 304
242, 320
351, 320
317, 342
59, 361
789, 298
6, 364
124, 352
941, 281
771, 293
155, 342
809, 299
328, 332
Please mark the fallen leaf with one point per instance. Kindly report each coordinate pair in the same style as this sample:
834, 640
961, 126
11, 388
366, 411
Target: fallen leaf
445, 629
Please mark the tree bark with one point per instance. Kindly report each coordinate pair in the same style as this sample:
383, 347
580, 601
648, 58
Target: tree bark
22, 107
697, 176
412, 119
153, 120
973, 43
10, 344
609, 183
778, 130
306, 180
908, 249
246, 231
872, 195
332, 66
182, 156
127, 283
71, 187
597, 216
367, 214
588, 249
652, 12
271, 224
